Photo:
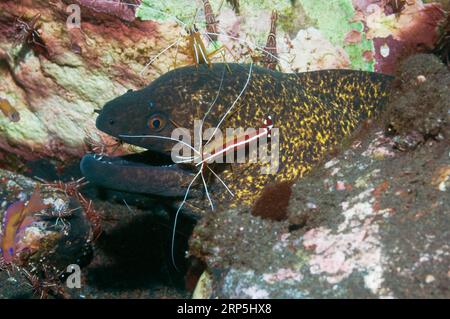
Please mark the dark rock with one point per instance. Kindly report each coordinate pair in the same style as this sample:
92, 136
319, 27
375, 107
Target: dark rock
371, 222
419, 103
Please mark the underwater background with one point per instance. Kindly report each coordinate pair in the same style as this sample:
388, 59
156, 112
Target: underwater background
368, 217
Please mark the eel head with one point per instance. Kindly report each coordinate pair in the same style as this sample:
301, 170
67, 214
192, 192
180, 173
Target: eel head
147, 118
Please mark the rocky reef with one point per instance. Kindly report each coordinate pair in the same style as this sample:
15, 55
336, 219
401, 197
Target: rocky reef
57, 88
372, 220
58, 80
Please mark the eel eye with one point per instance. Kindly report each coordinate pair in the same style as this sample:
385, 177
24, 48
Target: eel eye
157, 122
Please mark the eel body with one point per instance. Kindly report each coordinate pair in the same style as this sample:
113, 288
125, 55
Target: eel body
312, 111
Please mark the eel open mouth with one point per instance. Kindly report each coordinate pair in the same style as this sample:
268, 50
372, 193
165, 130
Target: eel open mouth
148, 172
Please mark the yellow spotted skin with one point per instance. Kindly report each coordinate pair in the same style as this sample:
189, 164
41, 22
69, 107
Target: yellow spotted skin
314, 111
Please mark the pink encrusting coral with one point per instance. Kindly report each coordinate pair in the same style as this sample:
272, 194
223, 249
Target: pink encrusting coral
282, 275
354, 247
414, 26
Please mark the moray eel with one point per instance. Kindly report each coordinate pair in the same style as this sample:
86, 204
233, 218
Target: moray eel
314, 111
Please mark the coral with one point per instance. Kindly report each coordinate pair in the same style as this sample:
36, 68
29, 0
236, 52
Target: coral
312, 51
123, 9
334, 19
382, 237
369, 222
56, 93
330, 24
413, 27
56, 90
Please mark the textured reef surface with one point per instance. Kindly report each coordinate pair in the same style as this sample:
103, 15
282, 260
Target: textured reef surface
372, 220
57, 88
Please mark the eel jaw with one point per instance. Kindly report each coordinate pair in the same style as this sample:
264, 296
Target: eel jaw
145, 173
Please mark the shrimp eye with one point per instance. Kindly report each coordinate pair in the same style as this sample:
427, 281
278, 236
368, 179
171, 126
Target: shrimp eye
157, 122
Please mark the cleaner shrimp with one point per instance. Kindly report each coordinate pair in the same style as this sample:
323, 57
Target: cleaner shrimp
195, 42
209, 151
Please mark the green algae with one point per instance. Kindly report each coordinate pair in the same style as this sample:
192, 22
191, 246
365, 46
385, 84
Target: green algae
331, 18
182, 10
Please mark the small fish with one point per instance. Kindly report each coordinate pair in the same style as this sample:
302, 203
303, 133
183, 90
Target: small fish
17, 217
9, 111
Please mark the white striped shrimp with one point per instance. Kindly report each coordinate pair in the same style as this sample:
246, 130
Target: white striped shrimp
203, 155
200, 154
201, 46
